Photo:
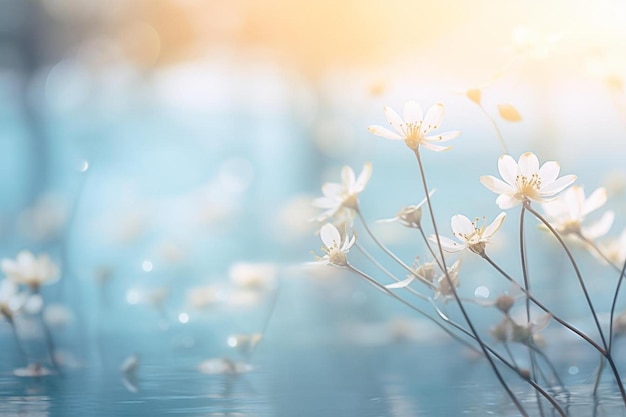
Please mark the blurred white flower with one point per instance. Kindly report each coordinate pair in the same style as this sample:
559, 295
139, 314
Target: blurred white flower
344, 195
566, 214
469, 234
614, 250
29, 270
443, 286
525, 181
253, 276
223, 366
508, 330
11, 301
336, 247
414, 128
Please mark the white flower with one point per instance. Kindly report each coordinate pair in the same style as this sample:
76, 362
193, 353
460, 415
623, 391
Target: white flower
508, 330
566, 214
414, 128
410, 216
344, 195
29, 270
443, 286
614, 250
470, 235
253, 276
336, 248
524, 181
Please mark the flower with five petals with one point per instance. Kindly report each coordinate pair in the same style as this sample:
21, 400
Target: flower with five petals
415, 127
524, 181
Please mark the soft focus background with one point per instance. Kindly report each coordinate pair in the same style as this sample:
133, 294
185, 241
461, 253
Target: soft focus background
165, 154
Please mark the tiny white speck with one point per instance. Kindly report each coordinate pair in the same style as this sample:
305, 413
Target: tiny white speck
147, 266
84, 166
232, 341
132, 296
573, 370
183, 318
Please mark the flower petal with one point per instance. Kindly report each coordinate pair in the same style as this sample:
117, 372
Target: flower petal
549, 171
528, 164
401, 284
507, 168
435, 148
433, 118
332, 190
394, 120
557, 186
599, 228
505, 201
347, 177
412, 112
494, 226
363, 179
496, 185
447, 244
330, 235
595, 201
443, 137
461, 225
384, 132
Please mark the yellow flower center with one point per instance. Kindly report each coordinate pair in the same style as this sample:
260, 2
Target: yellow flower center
336, 256
528, 186
413, 134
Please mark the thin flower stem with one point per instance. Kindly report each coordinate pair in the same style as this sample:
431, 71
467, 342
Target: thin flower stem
386, 290
18, 341
511, 366
575, 265
524, 263
390, 253
614, 304
495, 127
456, 295
268, 319
598, 376
430, 248
387, 272
539, 304
617, 288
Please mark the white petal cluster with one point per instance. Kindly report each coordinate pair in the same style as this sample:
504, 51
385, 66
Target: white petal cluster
344, 195
336, 247
28, 269
469, 234
525, 181
567, 213
415, 128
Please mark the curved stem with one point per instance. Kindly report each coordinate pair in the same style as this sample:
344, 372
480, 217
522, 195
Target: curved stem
390, 253
456, 295
614, 304
575, 265
412, 307
539, 304
496, 128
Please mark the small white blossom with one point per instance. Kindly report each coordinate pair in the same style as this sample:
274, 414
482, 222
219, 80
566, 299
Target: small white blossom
614, 250
469, 234
344, 195
415, 127
443, 286
525, 181
336, 247
29, 270
566, 214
